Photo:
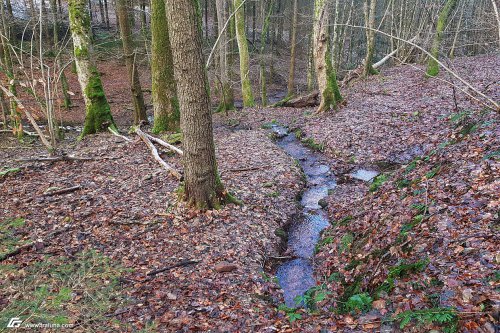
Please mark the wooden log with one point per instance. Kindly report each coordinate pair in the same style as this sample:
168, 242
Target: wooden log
309, 100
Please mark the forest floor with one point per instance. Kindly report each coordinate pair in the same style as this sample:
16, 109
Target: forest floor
402, 251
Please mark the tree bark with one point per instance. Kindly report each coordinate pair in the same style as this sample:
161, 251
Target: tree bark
293, 41
227, 95
433, 66
246, 87
370, 7
62, 76
98, 114
202, 185
266, 15
164, 92
15, 115
129, 53
327, 81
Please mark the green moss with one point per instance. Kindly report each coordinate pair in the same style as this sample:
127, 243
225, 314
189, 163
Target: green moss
98, 113
79, 16
378, 181
81, 52
168, 121
309, 142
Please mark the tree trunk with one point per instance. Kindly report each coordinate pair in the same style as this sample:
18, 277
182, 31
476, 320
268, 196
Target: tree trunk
106, 12
266, 15
433, 66
370, 7
246, 87
8, 5
325, 74
227, 96
98, 114
291, 73
202, 185
101, 11
129, 53
164, 92
310, 64
62, 76
15, 115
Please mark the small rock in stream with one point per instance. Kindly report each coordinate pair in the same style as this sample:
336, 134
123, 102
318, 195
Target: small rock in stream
323, 203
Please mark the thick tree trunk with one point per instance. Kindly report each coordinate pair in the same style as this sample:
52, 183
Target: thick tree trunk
325, 74
246, 87
98, 115
202, 185
129, 53
226, 91
164, 92
370, 7
293, 41
433, 66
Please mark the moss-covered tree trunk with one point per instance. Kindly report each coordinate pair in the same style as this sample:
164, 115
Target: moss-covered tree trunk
293, 41
202, 185
327, 81
370, 7
227, 96
433, 66
15, 115
164, 91
98, 114
246, 87
129, 53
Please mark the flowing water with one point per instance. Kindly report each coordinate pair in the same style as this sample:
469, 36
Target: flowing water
297, 276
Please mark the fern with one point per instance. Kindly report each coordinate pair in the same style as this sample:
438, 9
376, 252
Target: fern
446, 317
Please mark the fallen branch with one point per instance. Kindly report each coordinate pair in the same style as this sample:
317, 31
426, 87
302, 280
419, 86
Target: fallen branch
19, 249
252, 168
30, 118
179, 264
64, 158
63, 191
115, 132
133, 222
165, 144
155, 154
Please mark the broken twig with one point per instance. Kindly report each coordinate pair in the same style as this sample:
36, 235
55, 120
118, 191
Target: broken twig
179, 264
62, 191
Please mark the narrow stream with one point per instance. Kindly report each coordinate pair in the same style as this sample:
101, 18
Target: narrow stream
297, 276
